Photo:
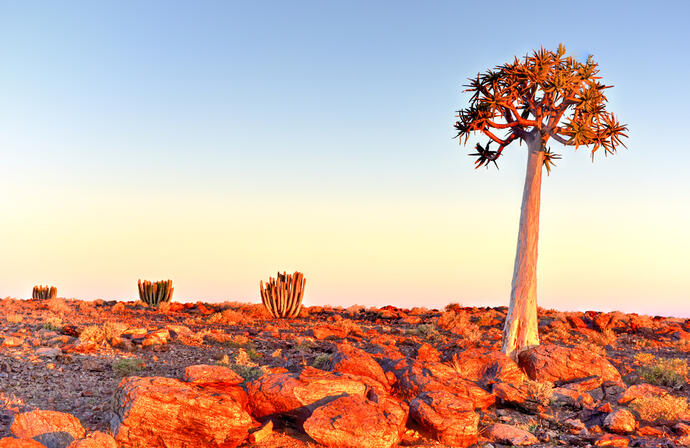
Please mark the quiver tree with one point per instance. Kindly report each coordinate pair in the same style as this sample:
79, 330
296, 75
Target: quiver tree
282, 296
544, 96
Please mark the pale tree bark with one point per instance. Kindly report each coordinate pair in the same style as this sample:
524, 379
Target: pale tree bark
520, 330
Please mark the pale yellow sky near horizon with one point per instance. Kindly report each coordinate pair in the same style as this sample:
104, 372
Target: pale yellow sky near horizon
421, 253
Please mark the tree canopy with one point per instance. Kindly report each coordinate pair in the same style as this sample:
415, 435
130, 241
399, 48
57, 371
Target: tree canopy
544, 95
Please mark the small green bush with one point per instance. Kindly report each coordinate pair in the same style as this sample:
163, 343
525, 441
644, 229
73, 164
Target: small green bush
249, 373
664, 372
128, 366
321, 361
53, 323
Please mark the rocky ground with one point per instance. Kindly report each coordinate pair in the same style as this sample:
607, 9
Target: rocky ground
122, 374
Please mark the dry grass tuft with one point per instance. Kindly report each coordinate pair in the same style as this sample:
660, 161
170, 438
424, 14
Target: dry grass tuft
662, 372
662, 409
101, 334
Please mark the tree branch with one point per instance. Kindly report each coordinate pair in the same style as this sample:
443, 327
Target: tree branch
493, 137
560, 139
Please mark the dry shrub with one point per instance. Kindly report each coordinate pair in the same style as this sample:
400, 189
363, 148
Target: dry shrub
459, 323
118, 307
14, 318
101, 334
662, 409
558, 330
539, 393
58, 305
227, 317
604, 338
53, 323
663, 372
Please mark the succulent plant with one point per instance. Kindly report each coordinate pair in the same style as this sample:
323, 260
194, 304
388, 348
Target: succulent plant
282, 296
44, 292
155, 293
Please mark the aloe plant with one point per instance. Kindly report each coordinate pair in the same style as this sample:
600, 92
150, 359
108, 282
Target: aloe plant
155, 293
282, 296
44, 292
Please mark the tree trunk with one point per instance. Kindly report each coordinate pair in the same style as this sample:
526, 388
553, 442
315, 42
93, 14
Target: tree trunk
520, 330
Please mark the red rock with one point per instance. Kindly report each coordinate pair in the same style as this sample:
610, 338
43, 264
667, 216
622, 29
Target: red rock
168, 412
349, 359
95, 440
576, 321
219, 378
416, 377
682, 428
356, 422
565, 396
426, 352
449, 419
260, 434
574, 425
612, 440
549, 362
11, 442
204, 373
297, 395
487, 367
324, 331
12, 342
621, 421
641, 391
650, 431
602, 321
501, 433
606, 408
53, 429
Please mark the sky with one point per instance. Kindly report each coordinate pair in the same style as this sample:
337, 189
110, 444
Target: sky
215, 143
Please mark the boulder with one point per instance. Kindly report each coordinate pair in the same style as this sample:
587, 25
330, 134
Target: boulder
168, 412
560, 365
11, 442
415, 377
51, 428
510, 435
621, 421
449, 419
220, 378
357, 422
426, 352
641, 391
487, 367
296, 395
206, 374
349, 359
612, 440
95, 440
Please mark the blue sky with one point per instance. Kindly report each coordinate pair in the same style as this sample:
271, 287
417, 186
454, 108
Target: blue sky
334, 118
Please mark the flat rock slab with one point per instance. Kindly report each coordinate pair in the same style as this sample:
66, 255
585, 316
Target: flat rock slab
488, 367
550, 362
416, 377
296, 395
95, 440
51, 428
449, 419
203, 374
349, 359
168, 412
510, 435
11, 442
357, 422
